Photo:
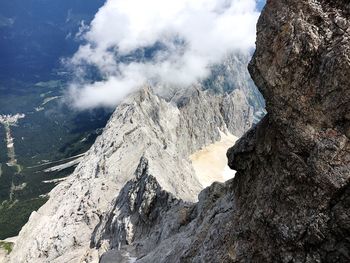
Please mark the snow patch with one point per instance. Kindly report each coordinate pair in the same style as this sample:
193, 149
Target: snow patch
210, 163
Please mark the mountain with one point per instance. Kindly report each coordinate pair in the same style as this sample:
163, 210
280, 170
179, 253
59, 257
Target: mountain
41, 156
144, 131
48, 142
289, 200
232, 74
132, 197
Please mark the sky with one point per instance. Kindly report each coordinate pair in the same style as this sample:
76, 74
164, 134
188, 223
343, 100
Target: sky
172, 42
261, 4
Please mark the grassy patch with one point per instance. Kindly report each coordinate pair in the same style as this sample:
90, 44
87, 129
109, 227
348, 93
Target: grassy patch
6, 246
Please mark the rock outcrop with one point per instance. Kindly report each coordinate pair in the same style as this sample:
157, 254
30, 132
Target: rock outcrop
292, 188
150, 225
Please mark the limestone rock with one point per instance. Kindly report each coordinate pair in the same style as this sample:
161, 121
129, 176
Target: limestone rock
171, 230
144, 127
293, 169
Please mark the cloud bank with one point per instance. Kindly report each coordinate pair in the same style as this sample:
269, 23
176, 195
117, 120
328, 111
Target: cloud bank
133, 42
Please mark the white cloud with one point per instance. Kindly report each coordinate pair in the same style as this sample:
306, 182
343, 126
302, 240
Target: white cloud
193, 34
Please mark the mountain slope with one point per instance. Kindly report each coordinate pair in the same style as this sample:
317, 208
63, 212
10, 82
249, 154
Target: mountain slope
144, 126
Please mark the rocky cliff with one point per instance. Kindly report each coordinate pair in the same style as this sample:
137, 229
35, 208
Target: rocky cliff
292, 186
232, 74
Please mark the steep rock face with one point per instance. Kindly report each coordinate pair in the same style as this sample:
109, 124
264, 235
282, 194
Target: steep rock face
293, 169
232, 75
144, 126
150, 225
143, 214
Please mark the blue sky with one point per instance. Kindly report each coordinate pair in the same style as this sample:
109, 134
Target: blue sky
261, 4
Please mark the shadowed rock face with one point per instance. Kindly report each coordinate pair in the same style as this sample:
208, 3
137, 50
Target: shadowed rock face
292, 187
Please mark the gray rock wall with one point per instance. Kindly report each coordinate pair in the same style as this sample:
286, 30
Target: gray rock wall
292, 184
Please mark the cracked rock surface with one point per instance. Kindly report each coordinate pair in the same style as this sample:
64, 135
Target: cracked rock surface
292, 184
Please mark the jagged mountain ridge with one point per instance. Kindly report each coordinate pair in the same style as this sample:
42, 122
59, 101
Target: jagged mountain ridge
166, 229
143, 126
231, 74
